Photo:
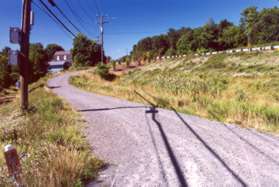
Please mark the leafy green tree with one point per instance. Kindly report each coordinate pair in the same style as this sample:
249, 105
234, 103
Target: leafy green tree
267, 26
85, 51
255, 27
173, 37
5, 71
232, 37
95, 51
38, 61
248, 21
160, 45
8, 72
51, 49
184, 44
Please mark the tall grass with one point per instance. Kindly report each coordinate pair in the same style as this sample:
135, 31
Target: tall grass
241, 89
56, 152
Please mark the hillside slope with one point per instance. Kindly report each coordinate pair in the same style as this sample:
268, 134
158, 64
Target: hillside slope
241, 89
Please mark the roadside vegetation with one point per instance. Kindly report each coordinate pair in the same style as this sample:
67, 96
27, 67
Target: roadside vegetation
38, 67
48, 137
241, 89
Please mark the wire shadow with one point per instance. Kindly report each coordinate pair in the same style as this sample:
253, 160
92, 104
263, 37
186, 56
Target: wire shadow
113, 108
251, 145
54, 87
171, 154
264, 138
161, 166
238, 178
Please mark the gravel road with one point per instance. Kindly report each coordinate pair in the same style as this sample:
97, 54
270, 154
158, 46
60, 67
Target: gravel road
147, 147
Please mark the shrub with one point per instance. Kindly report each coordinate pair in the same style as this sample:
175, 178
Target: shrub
113, 65
102, 70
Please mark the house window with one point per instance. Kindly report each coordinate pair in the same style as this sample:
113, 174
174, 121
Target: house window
65, 57
58, 58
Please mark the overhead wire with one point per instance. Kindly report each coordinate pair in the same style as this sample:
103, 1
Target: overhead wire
64, 15
77, 17
55, 17
51, 17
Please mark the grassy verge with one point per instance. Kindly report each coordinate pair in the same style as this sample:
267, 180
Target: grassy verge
56, 152
241, 88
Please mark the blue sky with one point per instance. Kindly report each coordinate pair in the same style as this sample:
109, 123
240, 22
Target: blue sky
130, 20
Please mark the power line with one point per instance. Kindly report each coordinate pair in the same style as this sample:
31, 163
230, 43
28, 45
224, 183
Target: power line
47, 13
64, 26
77, 17
63, 14
97, 7
87, 14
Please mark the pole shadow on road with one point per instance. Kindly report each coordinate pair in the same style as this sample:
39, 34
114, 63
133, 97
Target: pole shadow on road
175, 163
153, 140
178, 170
238, 178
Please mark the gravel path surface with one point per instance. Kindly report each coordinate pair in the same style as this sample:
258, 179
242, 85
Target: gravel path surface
165, 148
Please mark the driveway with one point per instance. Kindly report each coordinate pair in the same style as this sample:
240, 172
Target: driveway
157, 147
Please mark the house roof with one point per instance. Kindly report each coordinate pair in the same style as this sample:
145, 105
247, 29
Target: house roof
62, 53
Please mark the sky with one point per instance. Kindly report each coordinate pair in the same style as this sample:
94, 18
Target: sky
128, 20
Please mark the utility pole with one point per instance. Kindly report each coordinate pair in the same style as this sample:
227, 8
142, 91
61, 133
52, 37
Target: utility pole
24, 54
101, 22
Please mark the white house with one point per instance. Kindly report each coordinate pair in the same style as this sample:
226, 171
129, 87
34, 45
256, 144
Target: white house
61, 60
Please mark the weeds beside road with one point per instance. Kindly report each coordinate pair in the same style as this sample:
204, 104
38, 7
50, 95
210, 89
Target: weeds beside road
56, 151
241, 89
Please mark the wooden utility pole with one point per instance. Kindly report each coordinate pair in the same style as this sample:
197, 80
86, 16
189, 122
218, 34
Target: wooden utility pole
101, 23
24, 54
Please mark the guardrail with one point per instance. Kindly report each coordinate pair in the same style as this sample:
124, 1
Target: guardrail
230, 51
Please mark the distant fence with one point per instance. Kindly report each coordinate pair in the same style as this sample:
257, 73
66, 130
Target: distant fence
230, 51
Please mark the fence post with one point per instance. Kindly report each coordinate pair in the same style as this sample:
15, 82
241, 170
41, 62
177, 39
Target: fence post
13, 164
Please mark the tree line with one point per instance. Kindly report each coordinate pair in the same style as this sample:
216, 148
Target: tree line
256, 27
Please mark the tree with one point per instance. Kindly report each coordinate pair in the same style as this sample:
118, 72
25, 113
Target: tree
173, 37
160, 44
232, 37
38, 61
8, 73
5, 71
51, 49
267, 26
255, 27
248, 21
184, 44
85, 52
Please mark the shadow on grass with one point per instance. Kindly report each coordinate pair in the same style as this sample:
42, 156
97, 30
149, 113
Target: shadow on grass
109, 77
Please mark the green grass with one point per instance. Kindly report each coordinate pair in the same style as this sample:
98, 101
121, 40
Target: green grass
57, 153
238, 88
